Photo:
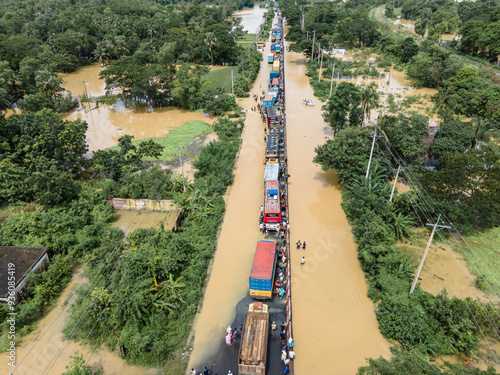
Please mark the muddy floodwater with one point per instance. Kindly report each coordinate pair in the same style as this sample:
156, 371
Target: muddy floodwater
108, 123
251, 18
334, 322
84, 77
44, 352
228, 280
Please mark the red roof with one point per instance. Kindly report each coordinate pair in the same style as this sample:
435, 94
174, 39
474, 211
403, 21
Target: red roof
263, 260
272, 205
275, 82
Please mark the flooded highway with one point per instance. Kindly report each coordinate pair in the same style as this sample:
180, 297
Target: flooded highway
334, 322
228, 280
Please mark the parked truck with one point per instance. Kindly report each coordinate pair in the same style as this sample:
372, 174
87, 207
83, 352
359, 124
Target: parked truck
253, 348
270, 58
261, 278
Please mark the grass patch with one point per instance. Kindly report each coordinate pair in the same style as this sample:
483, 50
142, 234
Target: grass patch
397, 12
221, 78
246, 38
486, 246
179, 136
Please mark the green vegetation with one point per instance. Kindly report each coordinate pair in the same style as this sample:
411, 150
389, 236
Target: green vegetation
247, 38
151, 321
464, 184
177, 137
485, 246
404, 363
221, 78
143, 44
78, 366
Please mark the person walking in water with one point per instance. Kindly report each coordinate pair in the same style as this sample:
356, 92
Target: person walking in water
298, 244
302, 261
304, 245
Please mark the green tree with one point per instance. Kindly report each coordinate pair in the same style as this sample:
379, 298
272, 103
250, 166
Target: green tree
468, 186
369, 100
406, 133
77, 366
344, 108
452, 136
348, 154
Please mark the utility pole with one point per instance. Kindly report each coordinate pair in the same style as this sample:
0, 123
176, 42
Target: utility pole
436, 225
331, 82
243, 64
90, 108
337, 84
371, 152
320, 68
314, 39
232, 83
394, 186
319, 50
182, 168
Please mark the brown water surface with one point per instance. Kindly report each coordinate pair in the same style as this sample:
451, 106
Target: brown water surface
73, 82
108, 123
251, 18
334, 322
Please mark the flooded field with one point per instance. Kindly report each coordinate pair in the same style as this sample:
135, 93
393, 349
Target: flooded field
85, 77
44, 351
108, 123
251, 18
334, 321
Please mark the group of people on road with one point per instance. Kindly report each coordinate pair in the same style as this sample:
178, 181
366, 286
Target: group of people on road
231, 335
206, 371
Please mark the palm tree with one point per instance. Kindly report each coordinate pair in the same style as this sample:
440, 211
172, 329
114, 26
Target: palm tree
484, 129
369, 99
210, 40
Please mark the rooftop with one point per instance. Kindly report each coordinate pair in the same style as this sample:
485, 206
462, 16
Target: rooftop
23, 259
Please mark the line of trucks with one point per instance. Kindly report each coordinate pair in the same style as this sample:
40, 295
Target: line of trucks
252, 355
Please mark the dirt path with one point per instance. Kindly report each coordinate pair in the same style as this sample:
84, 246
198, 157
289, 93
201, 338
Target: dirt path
335, 327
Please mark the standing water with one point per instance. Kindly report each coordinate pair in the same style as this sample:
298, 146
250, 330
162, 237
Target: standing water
251, 18
228, 280
334, 322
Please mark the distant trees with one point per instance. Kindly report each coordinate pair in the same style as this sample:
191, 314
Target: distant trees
40, 153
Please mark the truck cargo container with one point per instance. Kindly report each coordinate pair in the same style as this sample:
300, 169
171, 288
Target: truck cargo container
252, 356
272, 146
268, 100
261, 278
272, 209
270, 58
272, 171
274, 74
275, 82
276, 65
272, 114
